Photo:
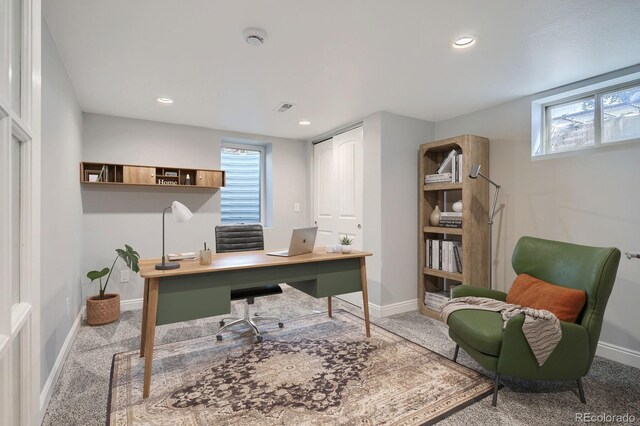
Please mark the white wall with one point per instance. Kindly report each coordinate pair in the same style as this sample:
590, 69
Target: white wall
132, 215
372, 204
401, 140
61, 243
589, 199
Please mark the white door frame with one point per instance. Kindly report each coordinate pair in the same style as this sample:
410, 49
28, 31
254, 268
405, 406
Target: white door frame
20, 323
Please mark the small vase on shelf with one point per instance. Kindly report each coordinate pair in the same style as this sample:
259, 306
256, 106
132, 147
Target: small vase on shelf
434, 219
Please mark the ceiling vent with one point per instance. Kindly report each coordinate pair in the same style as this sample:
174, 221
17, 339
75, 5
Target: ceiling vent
284, 107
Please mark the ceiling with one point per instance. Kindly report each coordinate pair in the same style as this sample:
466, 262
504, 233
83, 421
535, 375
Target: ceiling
337, 60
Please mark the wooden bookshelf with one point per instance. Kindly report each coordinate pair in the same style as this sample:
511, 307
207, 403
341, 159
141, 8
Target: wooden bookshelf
166, 177
474, 194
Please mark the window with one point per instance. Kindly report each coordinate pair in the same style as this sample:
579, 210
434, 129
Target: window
571, 125
596, 116
242, 199
621, 115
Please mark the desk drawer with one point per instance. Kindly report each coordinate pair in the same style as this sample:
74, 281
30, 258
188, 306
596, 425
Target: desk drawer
188, 297
332, 278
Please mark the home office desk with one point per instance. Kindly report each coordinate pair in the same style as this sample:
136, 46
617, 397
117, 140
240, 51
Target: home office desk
194, 291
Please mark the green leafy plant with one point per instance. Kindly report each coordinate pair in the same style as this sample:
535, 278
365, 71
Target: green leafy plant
345, 241
128, 255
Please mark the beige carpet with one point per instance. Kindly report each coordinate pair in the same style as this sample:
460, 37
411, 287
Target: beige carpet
316, 371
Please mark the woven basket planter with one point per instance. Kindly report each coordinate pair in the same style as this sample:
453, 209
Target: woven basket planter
103, 311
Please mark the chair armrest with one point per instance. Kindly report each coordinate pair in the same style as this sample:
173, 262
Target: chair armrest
469, 290
569, 360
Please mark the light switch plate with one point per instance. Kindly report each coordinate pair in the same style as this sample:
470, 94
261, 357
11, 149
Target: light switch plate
296, 207
124, 276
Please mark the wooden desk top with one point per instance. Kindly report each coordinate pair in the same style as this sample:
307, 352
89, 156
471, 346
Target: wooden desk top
241, 260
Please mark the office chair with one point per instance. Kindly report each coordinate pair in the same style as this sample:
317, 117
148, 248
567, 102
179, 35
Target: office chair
235, 238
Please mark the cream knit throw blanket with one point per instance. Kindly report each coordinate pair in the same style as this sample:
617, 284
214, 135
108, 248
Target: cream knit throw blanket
541, 328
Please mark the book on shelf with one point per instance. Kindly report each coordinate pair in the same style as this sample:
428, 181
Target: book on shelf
440, 255
450, 220
104, 174
438, 178
446, 166
455, 225
457, 255
451, 214
457, 169
435, 300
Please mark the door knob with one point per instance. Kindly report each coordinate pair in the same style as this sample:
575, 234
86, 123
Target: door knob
359, 226
315, 223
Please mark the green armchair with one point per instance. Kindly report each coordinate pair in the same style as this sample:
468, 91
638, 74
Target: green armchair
505, 351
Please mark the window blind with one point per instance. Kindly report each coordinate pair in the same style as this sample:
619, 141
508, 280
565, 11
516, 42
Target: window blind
240, 198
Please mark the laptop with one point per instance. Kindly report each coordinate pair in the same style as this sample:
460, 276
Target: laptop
302, 242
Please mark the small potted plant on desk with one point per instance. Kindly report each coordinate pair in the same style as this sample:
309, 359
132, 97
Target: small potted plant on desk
105, 307
346, 242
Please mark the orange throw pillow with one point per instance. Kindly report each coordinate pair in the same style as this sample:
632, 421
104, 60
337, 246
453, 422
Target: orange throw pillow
566, 303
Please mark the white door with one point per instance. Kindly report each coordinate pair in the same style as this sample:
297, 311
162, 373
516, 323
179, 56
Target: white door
338, 198
20, 215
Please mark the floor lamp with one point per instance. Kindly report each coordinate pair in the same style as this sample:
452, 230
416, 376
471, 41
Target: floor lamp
181, 214
473, 174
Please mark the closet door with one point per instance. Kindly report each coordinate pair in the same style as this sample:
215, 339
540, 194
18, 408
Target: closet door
324, 193
338, 197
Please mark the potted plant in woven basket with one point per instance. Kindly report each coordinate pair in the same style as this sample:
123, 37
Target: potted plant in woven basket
105, 307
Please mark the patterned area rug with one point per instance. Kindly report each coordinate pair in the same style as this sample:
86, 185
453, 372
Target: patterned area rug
315, 371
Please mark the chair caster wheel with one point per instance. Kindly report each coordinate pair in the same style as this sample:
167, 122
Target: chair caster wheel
221, 323
219, 338
281, 325
258, 339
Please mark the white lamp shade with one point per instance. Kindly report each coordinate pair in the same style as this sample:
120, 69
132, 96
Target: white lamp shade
181, 213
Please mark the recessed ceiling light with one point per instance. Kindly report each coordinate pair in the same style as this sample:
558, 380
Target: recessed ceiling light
304, 122
164, 100
463, 42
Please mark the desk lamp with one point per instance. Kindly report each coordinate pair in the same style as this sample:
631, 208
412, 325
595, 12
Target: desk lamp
473, 174
181, 214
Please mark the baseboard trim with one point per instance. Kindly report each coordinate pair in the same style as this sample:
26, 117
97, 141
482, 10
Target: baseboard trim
131, 304
47, 390
378, 311
125, 305
619, 354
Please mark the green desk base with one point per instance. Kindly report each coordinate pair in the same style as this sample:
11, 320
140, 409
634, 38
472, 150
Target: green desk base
189, 297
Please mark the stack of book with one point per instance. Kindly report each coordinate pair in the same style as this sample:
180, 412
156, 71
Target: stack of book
438, 178
436, 300
450, 220
450, 170
444, 255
